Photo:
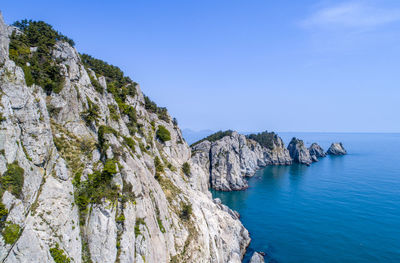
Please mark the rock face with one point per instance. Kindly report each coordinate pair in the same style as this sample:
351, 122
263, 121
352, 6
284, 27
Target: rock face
227, 161
299, 152
257, 258
336, 149
143, 209
316, 152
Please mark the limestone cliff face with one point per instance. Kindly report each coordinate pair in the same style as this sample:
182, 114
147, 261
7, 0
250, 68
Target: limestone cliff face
150, 211
227, 161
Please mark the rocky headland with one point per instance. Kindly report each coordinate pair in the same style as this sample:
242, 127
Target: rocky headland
94, 171
229, 157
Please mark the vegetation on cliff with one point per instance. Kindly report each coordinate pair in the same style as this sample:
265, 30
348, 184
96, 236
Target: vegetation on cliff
31, 50
265, 139
214, 137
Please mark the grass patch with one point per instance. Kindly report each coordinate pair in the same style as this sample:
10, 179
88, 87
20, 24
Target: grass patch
96, 84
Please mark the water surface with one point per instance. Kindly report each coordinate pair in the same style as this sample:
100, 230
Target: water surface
341, 209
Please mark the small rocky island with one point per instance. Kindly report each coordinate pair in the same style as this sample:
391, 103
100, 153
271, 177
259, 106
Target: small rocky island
229, 157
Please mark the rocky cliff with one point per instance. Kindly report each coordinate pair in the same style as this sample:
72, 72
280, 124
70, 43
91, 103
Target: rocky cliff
228, 160
92, 169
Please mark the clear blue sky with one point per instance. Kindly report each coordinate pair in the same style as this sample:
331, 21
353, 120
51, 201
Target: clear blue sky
246, 65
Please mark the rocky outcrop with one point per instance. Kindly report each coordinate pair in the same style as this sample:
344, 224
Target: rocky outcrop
257, 258
98, 184
316, 152
299, 152
227, 161
336, 149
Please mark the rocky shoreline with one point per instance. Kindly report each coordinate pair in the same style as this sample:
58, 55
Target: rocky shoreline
231, 159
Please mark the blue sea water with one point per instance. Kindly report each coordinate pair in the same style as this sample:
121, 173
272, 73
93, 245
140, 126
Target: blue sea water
341, 209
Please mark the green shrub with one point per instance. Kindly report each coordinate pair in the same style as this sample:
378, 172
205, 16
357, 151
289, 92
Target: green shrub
77, 178
265, 139
42, 71
28, 76
112, 73
160, 225
130, 143
186, 211
110, 168
92, 113
13, 179
3, 211
39, 32
118, 85
113, 112
103, 130
131, 113
186, 168
2, 118
98, 186
96, 84
152, 107
120, 218
214, 137
59, 255
158, 165
139, 221
163, 134
11, 233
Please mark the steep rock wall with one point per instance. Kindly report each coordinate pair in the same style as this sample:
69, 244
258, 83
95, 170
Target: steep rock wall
145, 214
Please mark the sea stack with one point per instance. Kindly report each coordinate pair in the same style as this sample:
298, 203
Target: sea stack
299, 152
316, 152
336, 149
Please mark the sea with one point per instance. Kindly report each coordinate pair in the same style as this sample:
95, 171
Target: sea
340, 209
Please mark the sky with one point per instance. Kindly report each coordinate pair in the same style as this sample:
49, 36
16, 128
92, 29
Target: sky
306, 66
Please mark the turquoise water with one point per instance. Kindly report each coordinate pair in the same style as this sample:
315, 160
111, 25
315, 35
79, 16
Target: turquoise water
341, 209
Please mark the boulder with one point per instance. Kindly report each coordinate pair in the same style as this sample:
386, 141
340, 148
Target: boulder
257, 258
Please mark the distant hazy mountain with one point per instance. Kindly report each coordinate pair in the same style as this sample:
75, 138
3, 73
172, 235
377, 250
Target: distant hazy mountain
192, 136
